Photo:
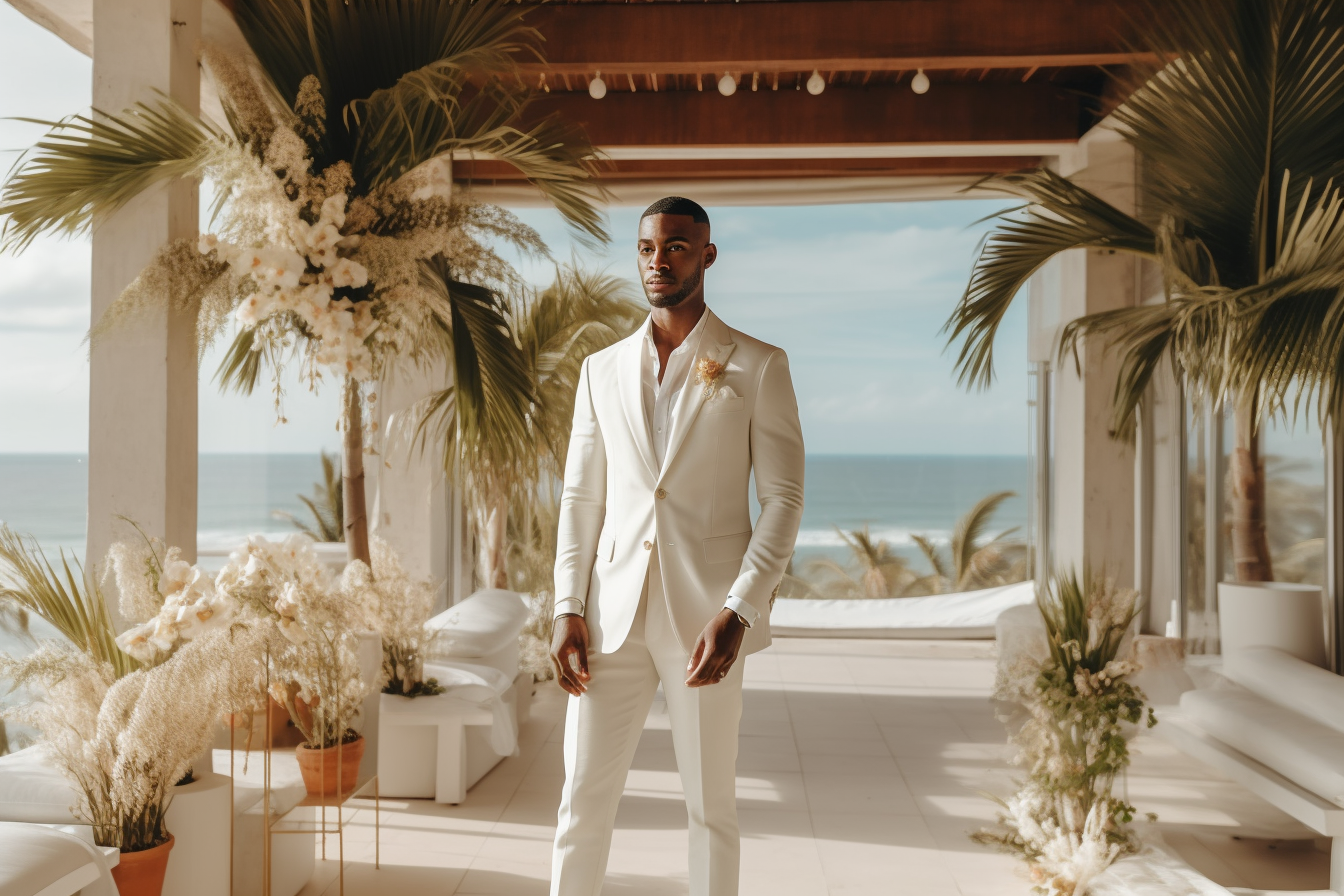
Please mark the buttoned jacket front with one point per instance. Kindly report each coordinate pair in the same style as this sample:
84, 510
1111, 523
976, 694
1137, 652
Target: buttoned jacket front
617, 503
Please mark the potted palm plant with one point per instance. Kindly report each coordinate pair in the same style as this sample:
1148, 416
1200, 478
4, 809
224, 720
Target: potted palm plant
340, 245
1240, 127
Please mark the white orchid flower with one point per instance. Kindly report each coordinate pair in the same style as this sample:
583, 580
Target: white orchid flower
333, 209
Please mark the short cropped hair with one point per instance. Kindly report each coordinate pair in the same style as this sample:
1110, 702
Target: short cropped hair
678, 205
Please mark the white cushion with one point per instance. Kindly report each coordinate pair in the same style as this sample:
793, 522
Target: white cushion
1282, 678
480, 626
32, 790
1302, 750
35, 859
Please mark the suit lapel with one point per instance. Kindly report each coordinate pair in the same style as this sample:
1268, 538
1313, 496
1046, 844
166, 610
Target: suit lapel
716, 343
631, 386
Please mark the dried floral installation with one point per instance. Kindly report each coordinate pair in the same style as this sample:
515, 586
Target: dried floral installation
338, 243
1064, 821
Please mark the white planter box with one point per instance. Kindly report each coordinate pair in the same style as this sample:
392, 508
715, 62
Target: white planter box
198, 818
1273, 614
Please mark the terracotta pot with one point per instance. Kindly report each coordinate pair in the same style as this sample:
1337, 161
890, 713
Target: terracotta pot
332, 770
141, 873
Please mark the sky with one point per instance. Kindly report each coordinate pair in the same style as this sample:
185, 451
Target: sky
855, 294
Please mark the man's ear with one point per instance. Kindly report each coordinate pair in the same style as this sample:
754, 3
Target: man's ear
711, 253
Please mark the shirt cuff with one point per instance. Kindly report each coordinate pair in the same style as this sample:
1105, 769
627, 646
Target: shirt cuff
568, 605
743, 609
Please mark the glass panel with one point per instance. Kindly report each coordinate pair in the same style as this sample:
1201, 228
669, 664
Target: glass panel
1201, 623
1295, 500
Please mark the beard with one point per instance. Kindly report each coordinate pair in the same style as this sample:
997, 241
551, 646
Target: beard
690, 285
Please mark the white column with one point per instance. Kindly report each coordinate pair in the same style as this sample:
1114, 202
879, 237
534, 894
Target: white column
1093, 488
143, 376
412, 509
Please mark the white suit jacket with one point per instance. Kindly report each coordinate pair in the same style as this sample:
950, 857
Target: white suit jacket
617, 504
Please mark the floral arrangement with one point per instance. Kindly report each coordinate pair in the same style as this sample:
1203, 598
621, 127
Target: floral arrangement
126, 742
312, 666
398, 608
1064, 821
338, 242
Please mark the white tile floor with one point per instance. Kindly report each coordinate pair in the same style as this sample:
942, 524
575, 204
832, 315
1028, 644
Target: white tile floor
861, 768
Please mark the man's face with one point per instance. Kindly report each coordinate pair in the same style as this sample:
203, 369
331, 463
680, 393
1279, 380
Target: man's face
673, 253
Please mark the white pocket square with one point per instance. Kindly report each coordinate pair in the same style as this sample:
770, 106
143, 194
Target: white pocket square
723, 393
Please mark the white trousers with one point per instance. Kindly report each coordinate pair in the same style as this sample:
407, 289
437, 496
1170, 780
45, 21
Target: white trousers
602, 730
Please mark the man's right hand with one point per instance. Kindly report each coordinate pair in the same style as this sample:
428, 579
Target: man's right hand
569, 653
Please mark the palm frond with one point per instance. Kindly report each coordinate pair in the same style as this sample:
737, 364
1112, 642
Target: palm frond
484, 417
71, 603
1258, 90
88, 167
410, 81
933, 556
968, 530
1060, 216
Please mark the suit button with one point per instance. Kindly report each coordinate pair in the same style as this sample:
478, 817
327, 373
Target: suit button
661, 493
648, 545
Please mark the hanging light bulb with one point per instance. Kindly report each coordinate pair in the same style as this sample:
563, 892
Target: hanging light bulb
920, 82
597, 88
816, 84
727, 85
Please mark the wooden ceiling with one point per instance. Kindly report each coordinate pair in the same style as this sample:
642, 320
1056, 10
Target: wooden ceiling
1006, 77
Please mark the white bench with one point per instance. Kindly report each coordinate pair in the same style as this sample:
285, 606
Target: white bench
438, 747
1275, 725
40, 860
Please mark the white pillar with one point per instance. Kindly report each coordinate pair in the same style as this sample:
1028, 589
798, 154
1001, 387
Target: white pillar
412, 509
1093, 487
143, 376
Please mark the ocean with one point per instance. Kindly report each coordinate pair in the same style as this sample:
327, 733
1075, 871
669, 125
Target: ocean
43, 495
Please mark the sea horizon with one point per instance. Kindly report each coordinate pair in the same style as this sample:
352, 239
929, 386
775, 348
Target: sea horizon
895, 496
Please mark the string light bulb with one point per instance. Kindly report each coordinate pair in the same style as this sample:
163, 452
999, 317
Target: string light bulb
727, 85
920, 82
597, 88
816, 84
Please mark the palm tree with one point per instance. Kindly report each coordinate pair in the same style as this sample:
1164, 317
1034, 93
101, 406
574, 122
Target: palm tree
971, 562
881, 571
517, 451
1241, 135
398, 85
326, 505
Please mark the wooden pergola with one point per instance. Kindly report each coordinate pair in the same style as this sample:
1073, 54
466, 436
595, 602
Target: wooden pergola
1010, 84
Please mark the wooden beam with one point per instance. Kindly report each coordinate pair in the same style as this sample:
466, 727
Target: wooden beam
968, 113
477, 170
838, 35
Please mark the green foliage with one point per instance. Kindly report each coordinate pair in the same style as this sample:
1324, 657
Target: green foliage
1241, 140
1064, 821
88, 167
69, 601
326, 505
405, 82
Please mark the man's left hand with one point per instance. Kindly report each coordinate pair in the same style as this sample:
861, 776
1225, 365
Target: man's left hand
715, 650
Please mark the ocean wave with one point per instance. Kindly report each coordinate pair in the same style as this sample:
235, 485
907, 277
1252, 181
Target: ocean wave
829, 538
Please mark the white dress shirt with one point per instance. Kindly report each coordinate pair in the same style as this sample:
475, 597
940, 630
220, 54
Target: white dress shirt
662, 397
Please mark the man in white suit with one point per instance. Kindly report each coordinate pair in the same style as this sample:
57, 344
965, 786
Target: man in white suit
660, 577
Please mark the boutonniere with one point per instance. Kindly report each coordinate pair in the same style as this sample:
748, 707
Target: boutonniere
708, 372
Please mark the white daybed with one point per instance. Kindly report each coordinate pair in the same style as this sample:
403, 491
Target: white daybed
966, 614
